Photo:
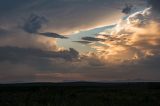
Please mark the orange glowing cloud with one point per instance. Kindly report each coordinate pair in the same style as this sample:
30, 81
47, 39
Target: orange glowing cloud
132, 39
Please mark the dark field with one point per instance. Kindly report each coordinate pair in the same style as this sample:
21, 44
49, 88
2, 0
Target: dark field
80, 94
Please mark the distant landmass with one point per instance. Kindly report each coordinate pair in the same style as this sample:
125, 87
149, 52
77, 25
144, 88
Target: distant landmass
80, 94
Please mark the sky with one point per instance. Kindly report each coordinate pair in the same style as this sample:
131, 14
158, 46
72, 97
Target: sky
79, 40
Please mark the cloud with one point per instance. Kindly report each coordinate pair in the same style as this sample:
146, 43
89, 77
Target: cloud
141, 18
127, 52
82, 42
65, 16
17, 38
132, 39
53, 35
92, 39
23, 64
127, 9
15, 54
44, 66
34, 23
93, 69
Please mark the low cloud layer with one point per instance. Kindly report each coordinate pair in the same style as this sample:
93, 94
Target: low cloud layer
15, 54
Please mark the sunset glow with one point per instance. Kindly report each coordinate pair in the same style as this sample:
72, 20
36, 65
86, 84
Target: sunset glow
79, 40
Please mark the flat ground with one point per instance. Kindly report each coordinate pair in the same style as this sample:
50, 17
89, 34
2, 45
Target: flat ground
80, 94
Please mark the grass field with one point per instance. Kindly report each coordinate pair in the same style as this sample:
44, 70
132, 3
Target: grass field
80, 94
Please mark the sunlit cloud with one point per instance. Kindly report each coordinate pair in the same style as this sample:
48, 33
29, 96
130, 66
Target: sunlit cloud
135, 38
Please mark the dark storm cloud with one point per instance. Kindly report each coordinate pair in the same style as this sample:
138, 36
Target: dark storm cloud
15, 54
127, 9
34, 23
53, 35
65, 16
92, 39
82, 42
